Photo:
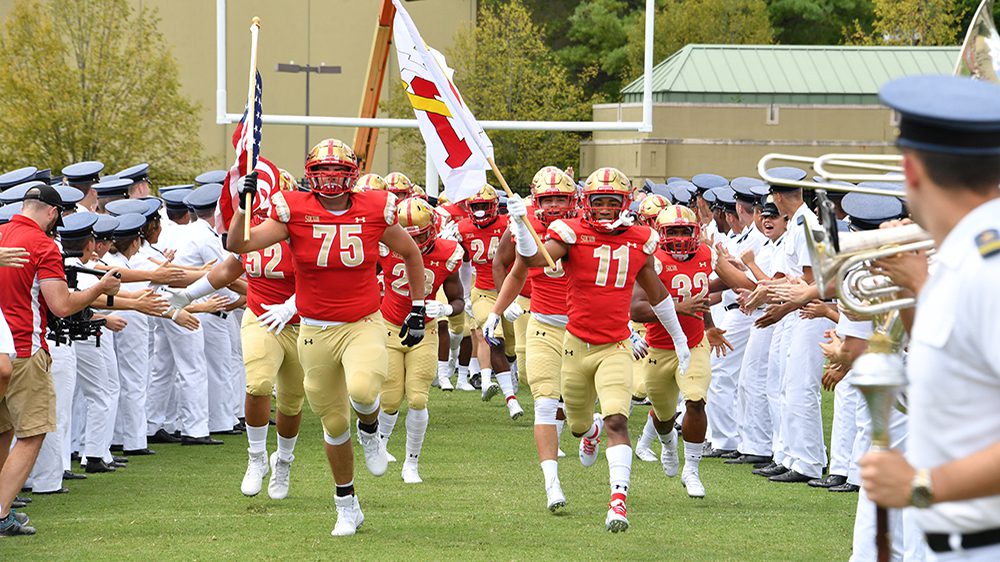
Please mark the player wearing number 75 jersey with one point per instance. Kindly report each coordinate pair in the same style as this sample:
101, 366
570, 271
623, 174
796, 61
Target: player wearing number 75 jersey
604, 256
333, 235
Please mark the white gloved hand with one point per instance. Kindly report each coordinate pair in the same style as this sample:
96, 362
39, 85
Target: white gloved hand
468, 308
277, 315
513, 312
178, 298
683, 355
490, 329
640, 348
516, 208
436, 309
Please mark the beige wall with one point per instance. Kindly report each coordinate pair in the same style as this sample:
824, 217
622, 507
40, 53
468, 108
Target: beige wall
688, 139
334, 32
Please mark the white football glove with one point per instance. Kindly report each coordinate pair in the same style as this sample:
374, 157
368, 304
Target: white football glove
683, 355
468, 308
513, 312
436, 309
277, 315
490, 329
516, 208
639, 346
178, 298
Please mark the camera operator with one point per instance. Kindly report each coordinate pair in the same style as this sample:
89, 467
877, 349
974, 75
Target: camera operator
27, 408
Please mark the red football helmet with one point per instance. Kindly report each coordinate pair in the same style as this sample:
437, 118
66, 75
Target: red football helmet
331, 168
484, 206
419, 220
603, 183
552, 184
673, 218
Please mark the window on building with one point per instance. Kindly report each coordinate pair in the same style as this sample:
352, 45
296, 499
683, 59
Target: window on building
772, 114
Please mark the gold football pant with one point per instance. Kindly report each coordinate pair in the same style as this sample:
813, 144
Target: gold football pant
520, 343
589, 372
664, 383
544, 356
638, 373
342, 363
271, 359
482, 305
411, 369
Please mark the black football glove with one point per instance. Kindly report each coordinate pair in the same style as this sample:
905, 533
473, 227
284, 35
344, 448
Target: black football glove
412, 331
249, 187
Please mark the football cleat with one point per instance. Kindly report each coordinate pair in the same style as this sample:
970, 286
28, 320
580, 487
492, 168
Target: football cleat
445, 384
669, 459
349, 516
253, 479
556, 498
644, 453
490, 390
410, 473
385, 444
464, 386
375, 454
514, 409
616, 520
281, 472
692, 482
589, 448
560, 454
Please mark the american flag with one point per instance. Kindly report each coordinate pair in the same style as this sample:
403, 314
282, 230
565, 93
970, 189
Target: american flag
246, 141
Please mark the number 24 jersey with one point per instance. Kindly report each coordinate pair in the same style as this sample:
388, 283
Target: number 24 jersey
335, 255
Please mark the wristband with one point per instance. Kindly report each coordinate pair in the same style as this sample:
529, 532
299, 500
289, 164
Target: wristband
525, 242
111, 301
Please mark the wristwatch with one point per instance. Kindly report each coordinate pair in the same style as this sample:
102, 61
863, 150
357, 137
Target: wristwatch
921, 495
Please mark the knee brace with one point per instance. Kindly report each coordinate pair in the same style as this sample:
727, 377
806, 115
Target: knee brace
338, 440
545, 411
369, 409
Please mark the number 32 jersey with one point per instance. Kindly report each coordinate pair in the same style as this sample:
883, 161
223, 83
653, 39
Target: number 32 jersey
335, 255
270, 277
601, 269
684, 280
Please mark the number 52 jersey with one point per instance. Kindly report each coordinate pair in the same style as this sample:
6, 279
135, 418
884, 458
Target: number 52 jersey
335, 254
601, 269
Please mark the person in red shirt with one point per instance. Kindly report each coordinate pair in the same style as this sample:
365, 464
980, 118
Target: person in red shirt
412, 369
480, 236
554, 196
333, 234
27, 406
603, 256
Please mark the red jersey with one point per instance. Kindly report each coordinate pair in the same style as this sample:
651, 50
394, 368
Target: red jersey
684, 280
270, 277
548, 286
443, 260
21, 296
601, 269
481, 244
335, 255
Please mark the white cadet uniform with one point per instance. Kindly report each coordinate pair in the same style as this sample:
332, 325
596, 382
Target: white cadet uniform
171, 351
847, 400
753, 404
954, 370
802, 418
721, 402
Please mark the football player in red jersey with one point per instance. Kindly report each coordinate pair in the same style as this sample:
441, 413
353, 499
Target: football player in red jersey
333, 234
554, 195
603, 256
480, 236
269, 332
411, 369
684, 265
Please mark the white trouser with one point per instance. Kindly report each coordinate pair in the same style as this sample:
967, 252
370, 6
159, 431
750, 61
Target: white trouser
986, 554
114, 388
218, 356
752, 406
46, 475
132, 349
802, 416
162, 376
721, 402
845, 428
96, 395
181, 366
79, 422
907, 541
238, 379
775, 377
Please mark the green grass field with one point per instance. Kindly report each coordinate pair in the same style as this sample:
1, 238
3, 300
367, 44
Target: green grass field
482, 498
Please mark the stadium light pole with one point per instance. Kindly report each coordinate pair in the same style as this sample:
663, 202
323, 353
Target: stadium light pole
293, 68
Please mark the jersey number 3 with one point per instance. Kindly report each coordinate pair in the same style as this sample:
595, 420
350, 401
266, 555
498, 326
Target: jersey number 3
352, 248
686, 287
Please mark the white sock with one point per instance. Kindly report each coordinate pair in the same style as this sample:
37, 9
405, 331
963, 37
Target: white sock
416, 428
487, 377
506, 384
550, 470
454, 343
593, 433
386, 423
257, 438
668, 439
560, 424
474, 365
444, 371
286, 445
692, 455
648, 434
619, 469
513, 369
463, 374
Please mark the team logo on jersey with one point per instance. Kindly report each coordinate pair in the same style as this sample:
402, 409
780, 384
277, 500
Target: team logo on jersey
703, 264
312, 218
435, 263
307, 342
669, 267
587, 238
632, 244
360, 219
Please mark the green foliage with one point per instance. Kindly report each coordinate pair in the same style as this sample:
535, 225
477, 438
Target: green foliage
817, 22
680, 22
910, 22
506, 72
93, 80
598, 50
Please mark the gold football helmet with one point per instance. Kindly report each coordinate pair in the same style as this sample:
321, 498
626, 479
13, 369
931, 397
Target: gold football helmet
607, 184
331, 167
670, 222
554, 194
370, 182
418, 191
484, 206
419, 219
398, 184
650, 207
286, 181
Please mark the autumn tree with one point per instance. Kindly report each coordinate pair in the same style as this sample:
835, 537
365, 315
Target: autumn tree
505, 72
93, 80
910, 22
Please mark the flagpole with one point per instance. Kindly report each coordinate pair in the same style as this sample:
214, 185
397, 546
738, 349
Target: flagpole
251, 103
531, 229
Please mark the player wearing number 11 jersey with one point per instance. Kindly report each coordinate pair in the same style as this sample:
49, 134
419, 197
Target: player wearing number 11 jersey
603, 256
333, 234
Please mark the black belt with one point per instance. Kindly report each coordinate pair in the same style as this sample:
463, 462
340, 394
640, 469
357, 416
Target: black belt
732, 306
940, 542
222, 315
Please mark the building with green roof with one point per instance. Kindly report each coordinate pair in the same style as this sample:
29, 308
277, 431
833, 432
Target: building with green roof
719, 108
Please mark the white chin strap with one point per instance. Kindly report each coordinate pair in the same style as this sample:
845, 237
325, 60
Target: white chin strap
326, 196
624, 219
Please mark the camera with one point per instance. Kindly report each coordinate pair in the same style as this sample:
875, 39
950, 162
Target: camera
79, 326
